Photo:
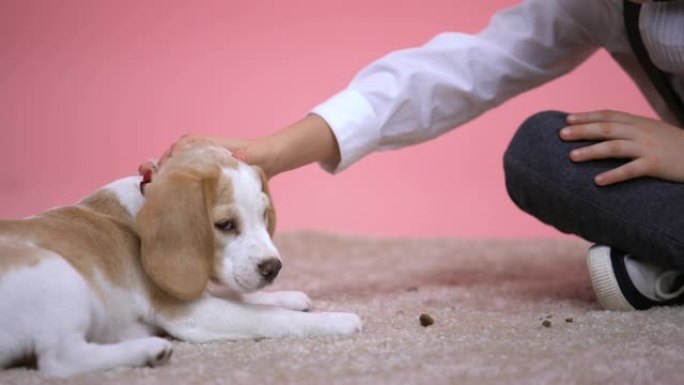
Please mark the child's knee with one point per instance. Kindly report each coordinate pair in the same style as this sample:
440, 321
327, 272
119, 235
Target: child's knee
536, 142
533, 156
537, 132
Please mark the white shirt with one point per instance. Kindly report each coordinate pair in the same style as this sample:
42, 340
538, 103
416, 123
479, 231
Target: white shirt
413, 95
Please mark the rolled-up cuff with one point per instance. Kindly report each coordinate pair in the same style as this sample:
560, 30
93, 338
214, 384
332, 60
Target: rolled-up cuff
354, 124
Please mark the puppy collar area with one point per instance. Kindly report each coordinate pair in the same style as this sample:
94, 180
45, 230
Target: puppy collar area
147, 178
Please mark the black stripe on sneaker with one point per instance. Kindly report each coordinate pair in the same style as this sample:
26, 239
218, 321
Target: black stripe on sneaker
629, 291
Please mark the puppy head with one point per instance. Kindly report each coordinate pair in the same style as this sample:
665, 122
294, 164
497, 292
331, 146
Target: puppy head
207, 216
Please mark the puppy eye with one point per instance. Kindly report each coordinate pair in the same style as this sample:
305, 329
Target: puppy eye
227, 226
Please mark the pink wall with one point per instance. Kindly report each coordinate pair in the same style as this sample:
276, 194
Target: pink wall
88, 89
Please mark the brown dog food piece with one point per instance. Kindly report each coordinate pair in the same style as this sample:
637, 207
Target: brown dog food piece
426, 320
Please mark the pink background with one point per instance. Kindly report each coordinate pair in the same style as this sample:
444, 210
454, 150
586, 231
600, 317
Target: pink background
89, 89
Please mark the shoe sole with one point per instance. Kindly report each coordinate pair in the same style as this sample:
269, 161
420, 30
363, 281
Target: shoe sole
603, 280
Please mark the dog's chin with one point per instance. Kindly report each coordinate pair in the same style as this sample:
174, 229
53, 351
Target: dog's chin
219, 289
233, 286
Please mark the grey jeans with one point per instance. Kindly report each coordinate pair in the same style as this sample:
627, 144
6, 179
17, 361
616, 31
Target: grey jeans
643, 217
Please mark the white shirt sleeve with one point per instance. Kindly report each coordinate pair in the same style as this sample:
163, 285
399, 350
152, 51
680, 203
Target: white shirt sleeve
413, 95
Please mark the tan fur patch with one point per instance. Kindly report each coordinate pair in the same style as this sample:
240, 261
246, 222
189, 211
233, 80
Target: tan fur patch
166, 305
221, 207
94, 235
270, 210
200, 156
19, 256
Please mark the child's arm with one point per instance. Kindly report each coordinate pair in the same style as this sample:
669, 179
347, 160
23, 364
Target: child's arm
306, 141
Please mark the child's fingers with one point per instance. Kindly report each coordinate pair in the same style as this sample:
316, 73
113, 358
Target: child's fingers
634, 169
148, 166
600, 116
610, 149
597, 131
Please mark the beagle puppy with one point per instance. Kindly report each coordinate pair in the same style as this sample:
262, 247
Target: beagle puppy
91, 286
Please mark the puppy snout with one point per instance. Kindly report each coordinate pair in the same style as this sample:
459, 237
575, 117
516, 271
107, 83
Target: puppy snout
269, 269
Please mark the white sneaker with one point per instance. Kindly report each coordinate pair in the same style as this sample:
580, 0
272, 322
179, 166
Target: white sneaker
624, 283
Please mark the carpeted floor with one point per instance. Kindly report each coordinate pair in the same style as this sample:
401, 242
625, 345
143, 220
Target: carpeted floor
488, 298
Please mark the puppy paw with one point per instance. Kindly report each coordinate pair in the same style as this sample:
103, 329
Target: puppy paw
159, 351
293, 300
340, 324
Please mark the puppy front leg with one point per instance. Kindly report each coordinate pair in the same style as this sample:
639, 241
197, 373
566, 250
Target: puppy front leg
211, 319
293, 300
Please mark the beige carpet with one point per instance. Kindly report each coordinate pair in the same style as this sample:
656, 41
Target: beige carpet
488, 300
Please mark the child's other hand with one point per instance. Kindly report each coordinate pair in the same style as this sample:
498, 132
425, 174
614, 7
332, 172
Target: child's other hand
656, 148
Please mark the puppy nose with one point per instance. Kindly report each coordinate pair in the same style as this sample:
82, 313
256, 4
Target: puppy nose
269, 269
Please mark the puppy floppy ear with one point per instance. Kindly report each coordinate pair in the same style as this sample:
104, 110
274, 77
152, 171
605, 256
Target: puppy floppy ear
177, 239
270, 210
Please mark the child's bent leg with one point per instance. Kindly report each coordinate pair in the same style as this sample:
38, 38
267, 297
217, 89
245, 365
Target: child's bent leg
644, 217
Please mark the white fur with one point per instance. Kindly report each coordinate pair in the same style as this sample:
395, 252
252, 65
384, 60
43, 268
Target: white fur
50, 310
127, 191
252, 245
